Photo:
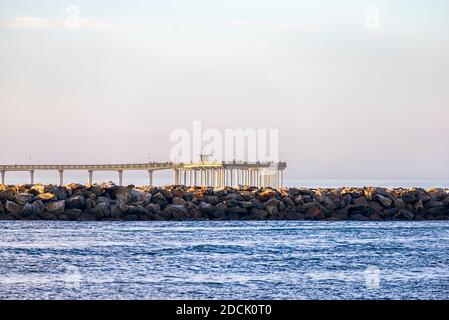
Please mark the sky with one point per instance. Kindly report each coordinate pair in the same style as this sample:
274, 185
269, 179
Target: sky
358, 89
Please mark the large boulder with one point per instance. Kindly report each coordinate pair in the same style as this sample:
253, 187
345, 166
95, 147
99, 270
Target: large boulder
179, 201
36, 189
75, 202
314, 213
45, 196
101, 210
159, 199
175, 211
56, 207
385, 201
34, 208
22, 198
13, 207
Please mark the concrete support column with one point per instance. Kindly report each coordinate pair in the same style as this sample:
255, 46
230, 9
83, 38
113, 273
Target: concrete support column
32, 176
120, 177
194, 176
185, 177
61, 177
282, 178
3, 172
91, 173
176, 176
258, 178
150, 178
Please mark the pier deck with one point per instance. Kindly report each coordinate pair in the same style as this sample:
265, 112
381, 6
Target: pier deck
205, 173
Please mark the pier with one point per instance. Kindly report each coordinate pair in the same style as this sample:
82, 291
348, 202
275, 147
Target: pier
204, 173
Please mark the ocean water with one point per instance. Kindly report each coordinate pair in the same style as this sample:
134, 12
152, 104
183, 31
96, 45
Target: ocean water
224, 260
165, 178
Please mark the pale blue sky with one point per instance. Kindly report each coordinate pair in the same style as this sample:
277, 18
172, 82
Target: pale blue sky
350, 101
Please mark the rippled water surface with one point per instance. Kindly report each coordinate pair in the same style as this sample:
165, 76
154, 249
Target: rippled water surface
224, 260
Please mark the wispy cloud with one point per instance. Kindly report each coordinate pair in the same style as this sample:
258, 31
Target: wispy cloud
26, 22
35, 23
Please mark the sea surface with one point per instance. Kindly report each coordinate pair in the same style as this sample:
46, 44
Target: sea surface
164, 177
224, 260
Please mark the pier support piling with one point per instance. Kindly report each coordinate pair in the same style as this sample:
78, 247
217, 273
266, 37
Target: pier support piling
32, 176
91, 173
150, 178
120, 177
3, 172
61, 177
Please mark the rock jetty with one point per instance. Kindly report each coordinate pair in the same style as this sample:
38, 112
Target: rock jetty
109, 202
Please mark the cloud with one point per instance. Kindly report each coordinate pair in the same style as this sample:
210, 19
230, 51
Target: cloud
27, 22
37, 23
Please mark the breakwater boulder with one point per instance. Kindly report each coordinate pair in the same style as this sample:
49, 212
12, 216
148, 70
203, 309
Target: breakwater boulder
109, 202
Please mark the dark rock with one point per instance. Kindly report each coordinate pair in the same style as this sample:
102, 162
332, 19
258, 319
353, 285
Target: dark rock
341, 214
433, 204
179, 201
47, 215
34, 208
57, 207
86, 216
131, 217
75, 202
409, 197
404, 214
359, 217
138, 211
175, 211
260, 214
361, 201
90, 203
159, 199
154, 207
314, 213
72, 214
12, 207
385, 201
101, 210
237, 210
22, 198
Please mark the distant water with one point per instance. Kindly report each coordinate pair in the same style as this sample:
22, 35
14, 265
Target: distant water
224, 260
165, 178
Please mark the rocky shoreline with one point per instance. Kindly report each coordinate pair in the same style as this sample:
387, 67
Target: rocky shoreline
109, 202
